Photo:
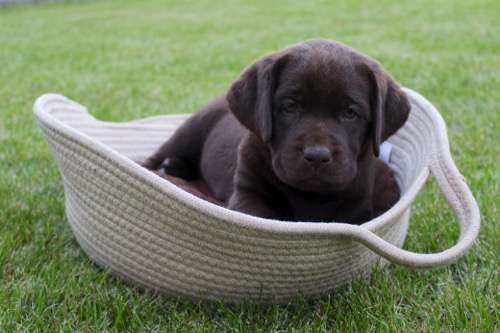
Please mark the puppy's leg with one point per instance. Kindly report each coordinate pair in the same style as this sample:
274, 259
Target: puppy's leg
255, 189
177, 156
179, 150
180, 155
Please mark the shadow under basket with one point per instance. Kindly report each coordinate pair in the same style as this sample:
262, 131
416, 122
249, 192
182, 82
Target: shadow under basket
158, 236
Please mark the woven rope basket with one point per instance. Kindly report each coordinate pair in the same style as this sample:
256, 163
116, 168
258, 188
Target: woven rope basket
158, 236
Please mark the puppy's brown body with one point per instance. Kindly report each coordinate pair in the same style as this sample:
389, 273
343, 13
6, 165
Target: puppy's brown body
295, 137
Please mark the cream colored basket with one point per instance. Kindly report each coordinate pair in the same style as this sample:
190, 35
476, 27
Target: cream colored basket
152, 233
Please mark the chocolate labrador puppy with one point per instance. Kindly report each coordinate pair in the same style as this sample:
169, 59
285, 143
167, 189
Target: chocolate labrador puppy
296, 137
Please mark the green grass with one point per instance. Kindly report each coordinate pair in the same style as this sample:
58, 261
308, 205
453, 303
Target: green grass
130, 59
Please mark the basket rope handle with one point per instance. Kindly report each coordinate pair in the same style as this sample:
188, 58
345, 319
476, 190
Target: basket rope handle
459, 197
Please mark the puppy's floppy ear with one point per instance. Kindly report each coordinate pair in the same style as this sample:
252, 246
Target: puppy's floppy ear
390, 106
251, 96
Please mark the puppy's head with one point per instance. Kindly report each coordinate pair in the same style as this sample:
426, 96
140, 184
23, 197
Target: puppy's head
320, 107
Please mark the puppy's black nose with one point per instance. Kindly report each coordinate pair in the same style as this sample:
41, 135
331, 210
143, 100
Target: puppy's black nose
317, 154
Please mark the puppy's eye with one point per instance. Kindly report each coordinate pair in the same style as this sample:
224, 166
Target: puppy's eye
350, 113
289, 108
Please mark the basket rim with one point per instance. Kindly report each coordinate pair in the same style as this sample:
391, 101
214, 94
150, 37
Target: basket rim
42, 110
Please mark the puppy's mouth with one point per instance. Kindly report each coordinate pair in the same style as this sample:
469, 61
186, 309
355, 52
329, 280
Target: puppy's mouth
315, 181
318, 184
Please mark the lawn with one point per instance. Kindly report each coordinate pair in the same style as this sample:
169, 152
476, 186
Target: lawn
130, 59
